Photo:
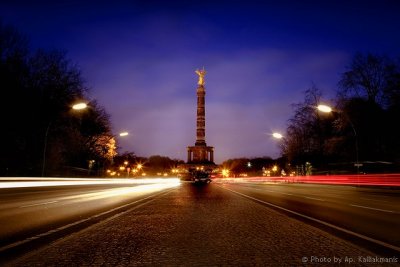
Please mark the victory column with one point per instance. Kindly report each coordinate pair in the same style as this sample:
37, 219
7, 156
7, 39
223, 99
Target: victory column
200, 156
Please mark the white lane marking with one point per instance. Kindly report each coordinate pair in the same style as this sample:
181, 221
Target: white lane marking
38, 204
375, 199
272, 191
321, 222
289, 194
370, 208
314, 198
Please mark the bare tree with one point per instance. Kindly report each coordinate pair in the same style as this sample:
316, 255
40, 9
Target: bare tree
368, 76
369, 95
42, 86
303, 132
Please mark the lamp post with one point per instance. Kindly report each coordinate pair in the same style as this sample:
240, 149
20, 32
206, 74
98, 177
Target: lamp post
279, 136
121, 134
78, 106
328, 109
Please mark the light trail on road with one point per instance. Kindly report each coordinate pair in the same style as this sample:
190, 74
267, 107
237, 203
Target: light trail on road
356, 179
33, 206
12, 182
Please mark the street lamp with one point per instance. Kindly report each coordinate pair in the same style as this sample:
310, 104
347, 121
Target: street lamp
277, 135
121, 134
324, 108
139, 168
78, 106
328, 109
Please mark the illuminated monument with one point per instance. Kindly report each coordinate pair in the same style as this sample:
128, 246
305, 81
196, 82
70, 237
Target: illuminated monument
200, 153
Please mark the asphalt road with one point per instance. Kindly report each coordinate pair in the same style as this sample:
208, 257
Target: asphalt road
211, 225
33, 210
372, 212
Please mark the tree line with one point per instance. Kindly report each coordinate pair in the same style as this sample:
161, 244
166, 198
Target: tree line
128, 164
361, 134
41, 133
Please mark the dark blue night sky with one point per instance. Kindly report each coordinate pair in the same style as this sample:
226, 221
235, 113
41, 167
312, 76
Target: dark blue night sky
139, 58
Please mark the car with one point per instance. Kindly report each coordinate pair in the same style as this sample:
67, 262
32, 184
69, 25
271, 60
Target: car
200, 177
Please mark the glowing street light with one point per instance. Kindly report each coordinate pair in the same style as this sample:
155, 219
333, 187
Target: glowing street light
79, 106
275, 168
324, 108
225, 172
124, 134
277, 135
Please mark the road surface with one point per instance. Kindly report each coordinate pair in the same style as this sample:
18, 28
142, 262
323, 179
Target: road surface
216, 224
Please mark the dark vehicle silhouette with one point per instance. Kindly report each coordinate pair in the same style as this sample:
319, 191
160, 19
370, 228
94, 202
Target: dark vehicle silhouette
200, 177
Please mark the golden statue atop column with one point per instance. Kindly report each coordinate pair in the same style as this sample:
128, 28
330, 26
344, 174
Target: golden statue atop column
201, 74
